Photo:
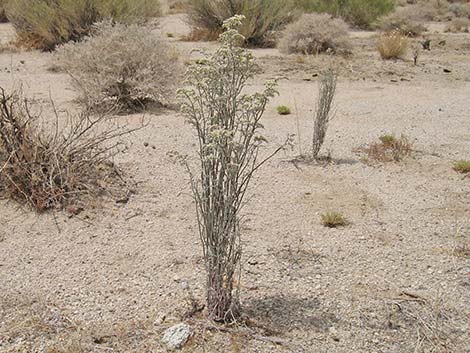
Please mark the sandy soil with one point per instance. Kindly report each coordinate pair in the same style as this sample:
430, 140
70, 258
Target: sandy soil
112, 278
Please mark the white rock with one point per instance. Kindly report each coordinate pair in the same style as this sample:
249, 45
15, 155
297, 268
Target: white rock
176, 336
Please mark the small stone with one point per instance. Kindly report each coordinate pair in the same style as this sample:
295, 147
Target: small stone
334, 333
176, 336
74, 210
160, 319
252, 262
447, 71
146, 144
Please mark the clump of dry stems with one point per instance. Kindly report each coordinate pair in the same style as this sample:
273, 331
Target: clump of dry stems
392, 45
326, 96
389, 149
48, 167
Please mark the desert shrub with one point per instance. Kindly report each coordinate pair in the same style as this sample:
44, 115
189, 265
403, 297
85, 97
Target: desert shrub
51, 166
392, 45
460, 10
121, 65
3, 14
326, 96
262, 18
462, 166
43, 24
227, 123
389, 149
315, 33
333, 219
403, 22
458, 24
360, 13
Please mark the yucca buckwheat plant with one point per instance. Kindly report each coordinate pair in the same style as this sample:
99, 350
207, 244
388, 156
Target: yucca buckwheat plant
227, 123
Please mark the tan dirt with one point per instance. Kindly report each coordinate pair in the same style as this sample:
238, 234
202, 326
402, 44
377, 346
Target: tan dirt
390, 281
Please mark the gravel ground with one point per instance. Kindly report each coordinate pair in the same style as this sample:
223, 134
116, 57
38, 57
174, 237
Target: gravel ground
392, 280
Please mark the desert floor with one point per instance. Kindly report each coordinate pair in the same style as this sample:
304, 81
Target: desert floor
395, 279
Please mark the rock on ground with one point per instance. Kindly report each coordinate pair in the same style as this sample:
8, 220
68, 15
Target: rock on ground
176, 336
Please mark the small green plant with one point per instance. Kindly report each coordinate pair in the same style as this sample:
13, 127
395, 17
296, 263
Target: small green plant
388, 139
462, 166
283, 110
333, 219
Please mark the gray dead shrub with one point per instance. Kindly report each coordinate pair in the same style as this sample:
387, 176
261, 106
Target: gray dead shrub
407, 23
125, 65
326, 96
314, 34
52, 163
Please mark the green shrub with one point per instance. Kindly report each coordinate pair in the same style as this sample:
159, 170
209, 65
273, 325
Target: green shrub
360, 13
262, 18
43, 24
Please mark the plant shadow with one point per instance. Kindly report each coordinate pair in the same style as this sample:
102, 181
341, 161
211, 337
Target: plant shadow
282, 313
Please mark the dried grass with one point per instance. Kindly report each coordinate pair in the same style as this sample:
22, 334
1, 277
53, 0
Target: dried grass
50, 167
392, 45
389, 149
429, 319
333, 219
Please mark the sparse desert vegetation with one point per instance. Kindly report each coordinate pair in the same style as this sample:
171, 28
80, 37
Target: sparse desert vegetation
360, 13
44, 24
216, 223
